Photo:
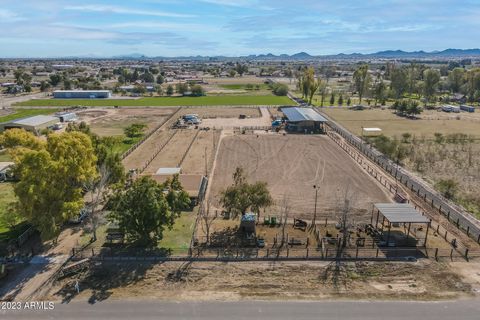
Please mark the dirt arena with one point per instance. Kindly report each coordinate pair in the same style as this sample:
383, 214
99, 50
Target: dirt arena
291, 165
111, 122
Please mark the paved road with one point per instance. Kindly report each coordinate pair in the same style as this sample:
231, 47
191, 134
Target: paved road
341, 310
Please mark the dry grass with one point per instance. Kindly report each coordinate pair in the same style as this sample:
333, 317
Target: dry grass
429, 123
424, 280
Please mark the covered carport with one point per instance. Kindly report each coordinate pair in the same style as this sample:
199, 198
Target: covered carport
396, 216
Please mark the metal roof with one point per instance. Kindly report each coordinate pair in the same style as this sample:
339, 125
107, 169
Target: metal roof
75, 91
5, 165
168, 170
35, 120
295, 114
400, 213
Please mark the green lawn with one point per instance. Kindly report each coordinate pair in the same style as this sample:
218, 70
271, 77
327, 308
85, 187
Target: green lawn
21, 113
178, 239
5, 157
164, 101
125, 144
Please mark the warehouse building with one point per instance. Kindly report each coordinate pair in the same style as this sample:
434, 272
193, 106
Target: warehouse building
82, 94
33, 124
304, 120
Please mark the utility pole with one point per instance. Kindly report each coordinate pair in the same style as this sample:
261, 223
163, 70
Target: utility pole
315, 210
206, 163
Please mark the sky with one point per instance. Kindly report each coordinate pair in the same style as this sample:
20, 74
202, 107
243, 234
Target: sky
169, 28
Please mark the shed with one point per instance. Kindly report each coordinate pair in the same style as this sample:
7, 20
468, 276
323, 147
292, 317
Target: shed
395, 214
303, 119
371, 132
247, 223
67, 116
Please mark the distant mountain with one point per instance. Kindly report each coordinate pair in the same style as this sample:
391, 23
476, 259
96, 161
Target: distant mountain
304, 56
387, 54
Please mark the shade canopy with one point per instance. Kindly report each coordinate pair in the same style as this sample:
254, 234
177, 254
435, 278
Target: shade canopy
400, 213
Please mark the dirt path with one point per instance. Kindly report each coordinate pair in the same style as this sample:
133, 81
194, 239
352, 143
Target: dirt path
25, 284
424, 280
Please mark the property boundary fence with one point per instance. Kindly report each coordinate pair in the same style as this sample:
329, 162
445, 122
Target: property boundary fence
275, 254
455, 214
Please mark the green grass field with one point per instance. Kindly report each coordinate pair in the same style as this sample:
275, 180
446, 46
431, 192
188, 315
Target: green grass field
179, 237
163, 101
21, 113
240, 86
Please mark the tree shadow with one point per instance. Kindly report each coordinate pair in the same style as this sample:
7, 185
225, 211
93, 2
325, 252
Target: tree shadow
102, 279
229, 237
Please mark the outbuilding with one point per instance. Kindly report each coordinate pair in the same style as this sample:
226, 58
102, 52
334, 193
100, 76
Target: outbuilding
304, 120
82, 94
33, 124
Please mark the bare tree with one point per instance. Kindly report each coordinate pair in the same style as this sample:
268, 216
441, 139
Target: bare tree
97, 190
284, 218
207, 221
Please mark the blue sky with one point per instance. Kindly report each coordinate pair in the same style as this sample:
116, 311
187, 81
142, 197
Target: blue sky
51, 28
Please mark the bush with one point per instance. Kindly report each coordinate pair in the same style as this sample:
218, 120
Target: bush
280, 89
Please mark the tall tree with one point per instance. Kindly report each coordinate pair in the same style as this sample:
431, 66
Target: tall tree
455, 79
361, 80
399, 82
241, 195
51, 180
431, 80
143, 211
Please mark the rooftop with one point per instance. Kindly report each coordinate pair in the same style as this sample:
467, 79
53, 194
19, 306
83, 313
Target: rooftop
73, 91
168, 170
5, 165
400, 213
295, 114
35, 120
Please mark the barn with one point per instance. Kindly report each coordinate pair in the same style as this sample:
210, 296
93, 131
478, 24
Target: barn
33, 124
304, 120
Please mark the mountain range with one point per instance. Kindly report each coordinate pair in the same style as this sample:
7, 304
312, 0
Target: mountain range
388, 54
